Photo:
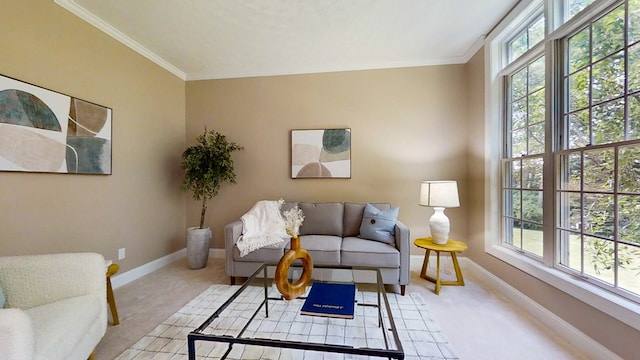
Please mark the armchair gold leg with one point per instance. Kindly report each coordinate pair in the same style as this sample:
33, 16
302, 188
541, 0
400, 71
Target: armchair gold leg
92, 356
111, 300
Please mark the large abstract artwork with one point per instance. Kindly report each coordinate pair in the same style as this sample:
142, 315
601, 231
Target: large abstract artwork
45, 131
321, 153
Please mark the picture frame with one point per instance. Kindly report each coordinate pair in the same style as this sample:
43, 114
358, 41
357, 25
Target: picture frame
321, 153
45, 131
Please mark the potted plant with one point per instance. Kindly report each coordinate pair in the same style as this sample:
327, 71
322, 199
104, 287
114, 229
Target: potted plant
207, 165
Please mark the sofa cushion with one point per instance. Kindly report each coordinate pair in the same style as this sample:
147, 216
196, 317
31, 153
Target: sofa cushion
269, 254
379, 224
363, 252
322, 218
324, 249
59, 326
353, 216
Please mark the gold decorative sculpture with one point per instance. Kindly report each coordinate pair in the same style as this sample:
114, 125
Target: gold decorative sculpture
293, 219
292, 290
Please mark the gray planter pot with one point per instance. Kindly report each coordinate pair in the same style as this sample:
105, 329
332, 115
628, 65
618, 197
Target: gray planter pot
198, 247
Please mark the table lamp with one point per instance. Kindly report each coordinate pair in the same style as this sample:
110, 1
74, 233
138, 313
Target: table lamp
439, 195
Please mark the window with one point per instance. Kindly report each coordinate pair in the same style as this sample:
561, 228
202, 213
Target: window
524, 137
523, 161
575, 6
563, 96
531, 35
599, 160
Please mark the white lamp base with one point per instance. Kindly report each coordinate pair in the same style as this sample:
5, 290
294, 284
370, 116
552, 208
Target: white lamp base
439, 224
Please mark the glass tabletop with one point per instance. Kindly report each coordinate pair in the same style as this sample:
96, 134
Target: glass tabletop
255, 321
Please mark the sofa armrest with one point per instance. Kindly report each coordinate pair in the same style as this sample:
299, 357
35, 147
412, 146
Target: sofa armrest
403, 235
17, 340
34, 280
232, 232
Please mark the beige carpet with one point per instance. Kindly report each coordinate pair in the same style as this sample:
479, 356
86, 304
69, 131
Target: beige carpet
419, 333
479, 322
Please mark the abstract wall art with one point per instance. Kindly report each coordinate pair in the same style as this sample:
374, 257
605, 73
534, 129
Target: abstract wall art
45, 131
322, 153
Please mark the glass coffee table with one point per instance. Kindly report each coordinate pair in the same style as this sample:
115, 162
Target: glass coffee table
256, 322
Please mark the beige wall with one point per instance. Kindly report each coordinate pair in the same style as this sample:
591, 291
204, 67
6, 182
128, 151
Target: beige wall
606, 330
140, 206
406, 124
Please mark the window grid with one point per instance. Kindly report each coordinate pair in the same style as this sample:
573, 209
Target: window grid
594, 211
527, 38
588, 108
616, 255
523, 163
522, 223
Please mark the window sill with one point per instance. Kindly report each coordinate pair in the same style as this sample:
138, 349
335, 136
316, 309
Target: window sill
613, 305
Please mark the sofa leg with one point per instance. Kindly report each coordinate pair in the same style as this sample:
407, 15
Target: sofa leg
402, 289
232, 280
92, 356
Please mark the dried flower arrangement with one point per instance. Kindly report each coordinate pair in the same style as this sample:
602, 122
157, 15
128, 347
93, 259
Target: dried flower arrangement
293, 218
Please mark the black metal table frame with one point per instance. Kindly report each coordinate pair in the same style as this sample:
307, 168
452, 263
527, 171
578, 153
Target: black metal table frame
199, 335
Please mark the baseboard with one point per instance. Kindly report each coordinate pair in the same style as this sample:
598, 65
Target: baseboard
575, 337
217, 253
136, 273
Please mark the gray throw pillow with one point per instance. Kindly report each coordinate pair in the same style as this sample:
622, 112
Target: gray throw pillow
378, 224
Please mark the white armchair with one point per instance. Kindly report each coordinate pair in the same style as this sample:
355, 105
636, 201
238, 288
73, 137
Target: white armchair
55, 306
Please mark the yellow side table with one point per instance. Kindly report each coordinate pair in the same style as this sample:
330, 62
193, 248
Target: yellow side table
452, 246
112, 270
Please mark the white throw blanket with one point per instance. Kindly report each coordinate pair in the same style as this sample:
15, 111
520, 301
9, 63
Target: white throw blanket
262, 226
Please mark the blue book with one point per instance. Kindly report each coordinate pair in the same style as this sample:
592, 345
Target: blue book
331, 300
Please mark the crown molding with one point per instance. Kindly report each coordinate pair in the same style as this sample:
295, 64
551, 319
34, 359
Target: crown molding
87, 16
302, 71
477, 45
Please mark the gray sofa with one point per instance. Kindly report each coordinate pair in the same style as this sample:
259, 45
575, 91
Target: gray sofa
331, 234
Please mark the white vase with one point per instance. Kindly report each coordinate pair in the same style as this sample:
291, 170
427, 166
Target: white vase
439, 225
198, 247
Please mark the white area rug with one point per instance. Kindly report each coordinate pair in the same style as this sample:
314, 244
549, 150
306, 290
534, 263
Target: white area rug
420, 336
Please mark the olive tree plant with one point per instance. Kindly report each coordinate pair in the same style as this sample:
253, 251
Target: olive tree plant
207, 165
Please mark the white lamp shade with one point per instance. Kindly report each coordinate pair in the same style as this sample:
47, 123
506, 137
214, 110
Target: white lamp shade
442, 193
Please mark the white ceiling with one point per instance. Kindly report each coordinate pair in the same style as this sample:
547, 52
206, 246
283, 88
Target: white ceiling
214, 39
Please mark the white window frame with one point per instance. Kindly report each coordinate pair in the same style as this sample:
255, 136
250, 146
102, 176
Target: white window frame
618, 307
